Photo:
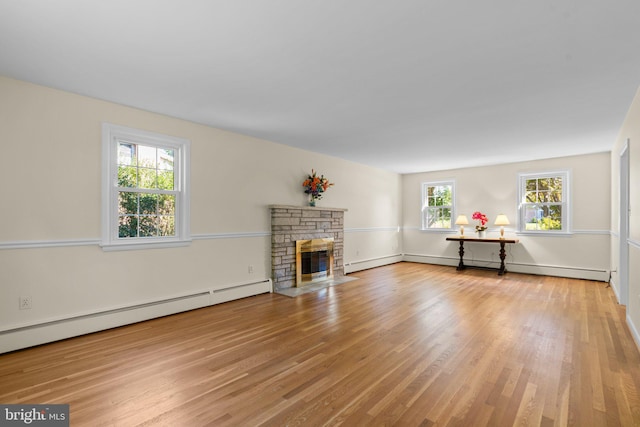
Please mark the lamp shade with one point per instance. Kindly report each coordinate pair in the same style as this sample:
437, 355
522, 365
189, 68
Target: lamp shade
462, 220
501, 220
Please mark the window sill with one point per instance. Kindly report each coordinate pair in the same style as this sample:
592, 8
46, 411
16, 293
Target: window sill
439, 230
545, 233
134, 246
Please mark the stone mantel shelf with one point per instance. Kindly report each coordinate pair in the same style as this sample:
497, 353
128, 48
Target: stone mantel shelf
318, 208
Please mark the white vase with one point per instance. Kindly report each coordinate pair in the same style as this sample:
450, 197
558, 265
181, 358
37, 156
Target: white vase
482, 234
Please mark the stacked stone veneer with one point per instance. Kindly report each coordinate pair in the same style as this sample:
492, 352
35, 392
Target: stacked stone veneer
291, 223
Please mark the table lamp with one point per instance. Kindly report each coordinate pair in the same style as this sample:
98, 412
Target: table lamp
502, 220
462, 221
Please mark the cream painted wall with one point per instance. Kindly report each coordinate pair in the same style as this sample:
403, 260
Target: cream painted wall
630, 132
493, 190
51, 215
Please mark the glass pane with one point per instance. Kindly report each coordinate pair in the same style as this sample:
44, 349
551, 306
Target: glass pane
555, 215
167, 226
552, 219
431, 217
531, 197
555, 196
165, 180
127, 176
147, 156
531, 185
431, 201
544, 212
148, 226
532, 215
543, 184
148, 204
543, 196
438, 219
165, 159
430, 191
166, 204
446, 218
147, 178
447, 195
127, 203
127, 154
127, 226
555, 184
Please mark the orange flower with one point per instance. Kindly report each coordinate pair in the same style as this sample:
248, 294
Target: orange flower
315, 185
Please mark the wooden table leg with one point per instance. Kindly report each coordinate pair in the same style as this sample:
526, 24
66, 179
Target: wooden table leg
461, 265
503, 255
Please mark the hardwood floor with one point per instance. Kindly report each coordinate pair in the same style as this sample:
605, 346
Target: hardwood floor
407, 345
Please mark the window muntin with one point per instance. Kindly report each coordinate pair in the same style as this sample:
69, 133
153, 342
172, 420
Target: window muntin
544, 203
437, 205
145, 189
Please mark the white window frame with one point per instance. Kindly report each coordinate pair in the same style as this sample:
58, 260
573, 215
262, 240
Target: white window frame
423, 204
566, 202
111, 136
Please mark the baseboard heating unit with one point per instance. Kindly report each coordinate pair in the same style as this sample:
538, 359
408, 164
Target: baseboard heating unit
25, 335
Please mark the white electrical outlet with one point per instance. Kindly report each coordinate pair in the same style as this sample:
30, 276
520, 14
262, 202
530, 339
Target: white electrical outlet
25, 302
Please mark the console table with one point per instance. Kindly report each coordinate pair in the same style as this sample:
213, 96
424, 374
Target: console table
502, 270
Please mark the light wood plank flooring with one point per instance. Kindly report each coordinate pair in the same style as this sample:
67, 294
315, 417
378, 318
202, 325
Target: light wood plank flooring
406, 345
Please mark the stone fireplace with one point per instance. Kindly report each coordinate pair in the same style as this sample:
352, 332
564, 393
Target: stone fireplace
319, 232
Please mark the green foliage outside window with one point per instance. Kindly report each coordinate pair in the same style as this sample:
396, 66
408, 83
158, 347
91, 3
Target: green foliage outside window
146, 199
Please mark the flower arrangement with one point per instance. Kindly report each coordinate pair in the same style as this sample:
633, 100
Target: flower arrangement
482, 219
314, 186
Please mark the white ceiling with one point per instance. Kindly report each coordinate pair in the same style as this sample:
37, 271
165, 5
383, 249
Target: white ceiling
403, 85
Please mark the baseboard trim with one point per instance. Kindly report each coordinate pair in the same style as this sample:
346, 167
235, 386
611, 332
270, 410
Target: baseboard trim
366, 264
90, 315
634, 331
537, 269
614, 287
17, 337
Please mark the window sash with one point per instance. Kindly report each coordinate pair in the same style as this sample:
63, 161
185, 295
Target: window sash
436, 213
149, 220
544, 203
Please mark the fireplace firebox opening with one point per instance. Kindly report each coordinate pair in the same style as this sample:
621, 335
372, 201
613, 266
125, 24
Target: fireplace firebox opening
314, 260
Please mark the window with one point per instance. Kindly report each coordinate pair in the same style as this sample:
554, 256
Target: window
544, 202
437, 205
145, 189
